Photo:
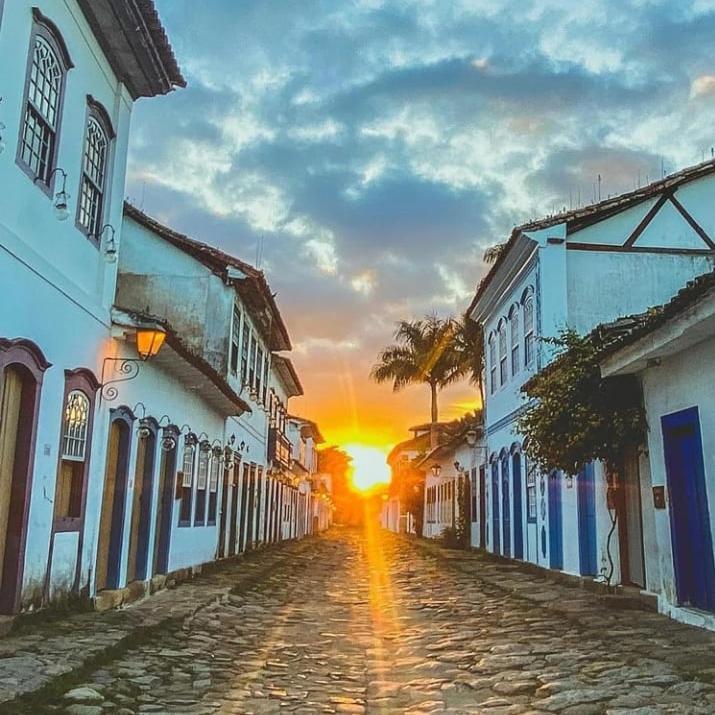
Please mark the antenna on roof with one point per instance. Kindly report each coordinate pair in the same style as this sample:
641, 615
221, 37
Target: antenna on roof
712, 152
141, 202
662, 166
599, 187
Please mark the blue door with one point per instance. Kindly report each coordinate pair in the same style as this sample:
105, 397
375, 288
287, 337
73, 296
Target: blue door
518, 527
165, 507
495, 507
145, 504
587, 552
689, 514
556, 543
505, 505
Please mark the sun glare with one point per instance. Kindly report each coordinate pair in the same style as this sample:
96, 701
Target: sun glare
369, 466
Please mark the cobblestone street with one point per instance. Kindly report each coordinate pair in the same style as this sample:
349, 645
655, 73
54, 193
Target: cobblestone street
359, 622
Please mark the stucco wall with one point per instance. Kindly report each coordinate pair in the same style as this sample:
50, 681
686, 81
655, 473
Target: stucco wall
680, 382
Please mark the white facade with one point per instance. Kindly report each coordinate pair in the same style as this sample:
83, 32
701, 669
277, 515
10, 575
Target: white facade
575, 270
58, 276
674, 363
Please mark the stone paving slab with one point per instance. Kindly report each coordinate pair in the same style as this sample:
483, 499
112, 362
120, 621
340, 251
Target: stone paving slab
35, 656
374, 623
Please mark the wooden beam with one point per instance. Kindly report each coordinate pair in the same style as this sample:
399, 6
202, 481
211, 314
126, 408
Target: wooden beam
657, 206
693, 223
616, 248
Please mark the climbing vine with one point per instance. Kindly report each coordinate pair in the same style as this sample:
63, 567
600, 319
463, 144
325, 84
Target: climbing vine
573, 415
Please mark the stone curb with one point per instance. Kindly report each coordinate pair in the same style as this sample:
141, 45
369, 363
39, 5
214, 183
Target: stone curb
603, 594
137, 628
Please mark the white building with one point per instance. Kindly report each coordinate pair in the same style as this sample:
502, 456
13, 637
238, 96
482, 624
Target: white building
577, 269
451, 473
672, 351
71, 72
305, 437
225, 312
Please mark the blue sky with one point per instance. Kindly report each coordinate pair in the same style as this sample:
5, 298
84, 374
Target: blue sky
368, 151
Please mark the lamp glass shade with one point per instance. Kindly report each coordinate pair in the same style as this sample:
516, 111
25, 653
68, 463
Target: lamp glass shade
149, 342
436, 469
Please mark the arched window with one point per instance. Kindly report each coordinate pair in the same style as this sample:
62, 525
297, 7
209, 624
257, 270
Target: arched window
44, 86
514, 330
187, 479
501, 331
75, 443
528, 301
98, 133
492, 365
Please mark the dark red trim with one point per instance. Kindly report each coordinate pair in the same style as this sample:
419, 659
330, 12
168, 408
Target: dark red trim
28, 356
693, 223
45, 27
41, 19
609, 248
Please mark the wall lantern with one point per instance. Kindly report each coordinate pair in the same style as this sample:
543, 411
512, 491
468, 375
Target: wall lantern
149, 342
458, 466
61, 200
149, 339
472, 437
110, 243
168, 438
144, 431
436, 469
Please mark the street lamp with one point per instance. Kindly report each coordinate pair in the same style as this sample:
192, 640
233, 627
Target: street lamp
436, 469
472, 435
110, 250
61, 197
149, 339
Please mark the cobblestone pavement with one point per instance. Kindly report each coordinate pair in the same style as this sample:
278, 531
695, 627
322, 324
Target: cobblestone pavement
371, 622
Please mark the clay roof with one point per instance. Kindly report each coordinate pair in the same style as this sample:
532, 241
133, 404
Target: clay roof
627, 330
593, 213
254, 287
135, 43
287, 373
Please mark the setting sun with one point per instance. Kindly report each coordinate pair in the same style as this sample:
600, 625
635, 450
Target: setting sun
369, 468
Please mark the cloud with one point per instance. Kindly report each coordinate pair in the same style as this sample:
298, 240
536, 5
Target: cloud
370, 150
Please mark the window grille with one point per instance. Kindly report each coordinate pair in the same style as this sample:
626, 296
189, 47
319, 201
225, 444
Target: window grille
93, 177
514, 325
213, 478
502, 354
528, 330
74, 441
259, 371
188, 464
492, 365
235, 339
202, 475
42, 112
245, 340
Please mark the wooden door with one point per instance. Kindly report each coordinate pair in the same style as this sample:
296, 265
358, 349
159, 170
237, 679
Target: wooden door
586, 502
164, 511
689, 514
111, 525
17, 427
141, 509
556, 542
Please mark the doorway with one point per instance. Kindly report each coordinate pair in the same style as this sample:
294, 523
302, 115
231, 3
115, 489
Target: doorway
141, 508
495, 506
586, 498
556, 542
518, 516
689, 514
111, 524
482, 507
630, 533
165, 505
19, 396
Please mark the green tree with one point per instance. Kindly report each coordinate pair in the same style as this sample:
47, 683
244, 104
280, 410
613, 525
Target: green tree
469, 344
425, 352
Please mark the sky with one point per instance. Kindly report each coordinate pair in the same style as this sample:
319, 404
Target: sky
365, 152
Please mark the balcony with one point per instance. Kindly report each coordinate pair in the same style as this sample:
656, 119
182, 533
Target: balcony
279, 448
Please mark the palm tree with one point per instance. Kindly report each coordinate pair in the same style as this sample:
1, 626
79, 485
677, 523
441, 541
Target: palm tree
425, 352
469, 343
